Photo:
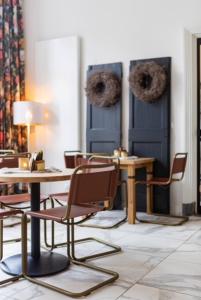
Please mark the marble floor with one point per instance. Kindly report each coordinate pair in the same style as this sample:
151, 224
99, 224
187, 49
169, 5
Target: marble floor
156, 263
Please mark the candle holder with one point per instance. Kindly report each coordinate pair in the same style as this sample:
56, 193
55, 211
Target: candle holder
23, 163
39, 165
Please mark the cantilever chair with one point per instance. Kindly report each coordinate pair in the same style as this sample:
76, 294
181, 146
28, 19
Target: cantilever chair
176, 174
3, 215
89, 185
15, 200
63, 200
9, 198
72, 159
109, 206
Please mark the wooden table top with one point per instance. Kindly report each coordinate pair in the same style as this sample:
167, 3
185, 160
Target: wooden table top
16, 176
136, 161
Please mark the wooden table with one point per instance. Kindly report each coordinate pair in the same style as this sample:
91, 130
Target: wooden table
39, 263
130, 165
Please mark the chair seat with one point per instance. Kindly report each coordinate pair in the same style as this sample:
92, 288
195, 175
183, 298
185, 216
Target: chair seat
17, 198
155, 181
57, 213
6, 213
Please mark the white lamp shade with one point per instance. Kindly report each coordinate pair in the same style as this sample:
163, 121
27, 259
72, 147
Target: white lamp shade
28, 113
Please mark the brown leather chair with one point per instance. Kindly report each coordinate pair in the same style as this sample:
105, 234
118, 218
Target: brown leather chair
4, 215
9, 198
69, 158
176, 174
89, 184
72, 159
14, 199
108, 206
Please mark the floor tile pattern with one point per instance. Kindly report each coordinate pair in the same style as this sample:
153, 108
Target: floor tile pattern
156, 263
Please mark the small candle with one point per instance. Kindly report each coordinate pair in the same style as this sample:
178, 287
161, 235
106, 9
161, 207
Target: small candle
23, 163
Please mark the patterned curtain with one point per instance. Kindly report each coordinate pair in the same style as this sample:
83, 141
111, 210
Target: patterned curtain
12, 73
12, 81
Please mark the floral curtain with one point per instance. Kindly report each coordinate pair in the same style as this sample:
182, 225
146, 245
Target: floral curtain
12, 73
12, 80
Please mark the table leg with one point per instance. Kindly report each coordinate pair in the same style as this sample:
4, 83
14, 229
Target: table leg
35, 222
131, 195
149, 170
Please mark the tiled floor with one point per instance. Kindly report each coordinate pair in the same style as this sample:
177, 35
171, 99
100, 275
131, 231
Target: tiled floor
156, 263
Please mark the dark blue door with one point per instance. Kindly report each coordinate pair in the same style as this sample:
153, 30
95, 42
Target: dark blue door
104, 123
149, 136
103, 133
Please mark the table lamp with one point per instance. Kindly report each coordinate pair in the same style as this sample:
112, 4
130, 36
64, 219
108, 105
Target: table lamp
28, 113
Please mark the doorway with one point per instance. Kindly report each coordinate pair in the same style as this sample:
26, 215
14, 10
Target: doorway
199, 125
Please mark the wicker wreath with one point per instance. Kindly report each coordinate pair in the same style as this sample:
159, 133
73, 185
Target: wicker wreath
103, 89
148, 81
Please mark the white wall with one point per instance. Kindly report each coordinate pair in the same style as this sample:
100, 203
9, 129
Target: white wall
57, 86
119, 30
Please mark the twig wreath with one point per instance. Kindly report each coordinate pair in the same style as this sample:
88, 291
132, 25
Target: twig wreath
148, 81
103, 89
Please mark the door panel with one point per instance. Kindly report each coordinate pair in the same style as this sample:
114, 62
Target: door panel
104, 123
149, 136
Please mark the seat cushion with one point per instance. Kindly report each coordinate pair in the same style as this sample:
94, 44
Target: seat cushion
7, 213
18, 198
15, 198
57, 213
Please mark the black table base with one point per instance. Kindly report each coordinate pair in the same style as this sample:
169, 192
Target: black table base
39, 263
47, 264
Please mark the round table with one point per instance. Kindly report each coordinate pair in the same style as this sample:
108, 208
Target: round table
39, 263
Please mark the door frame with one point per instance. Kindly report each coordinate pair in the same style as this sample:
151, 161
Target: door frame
198, 124
190, 187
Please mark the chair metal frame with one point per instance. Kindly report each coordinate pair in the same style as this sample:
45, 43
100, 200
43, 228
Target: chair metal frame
78, 159
8, 155
109, 159
53, 245
70, 247
69, 222
176, 174
2, 217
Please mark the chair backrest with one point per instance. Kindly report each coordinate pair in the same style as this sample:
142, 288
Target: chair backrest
69, 158
11, 160
178, 167
8, 162
7, 151
92, 184
75, 158
82, 159
104, 159
85, 158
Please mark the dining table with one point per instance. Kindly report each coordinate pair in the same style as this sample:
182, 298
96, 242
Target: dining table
40, 263
130, 165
